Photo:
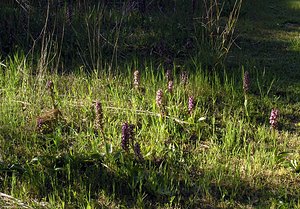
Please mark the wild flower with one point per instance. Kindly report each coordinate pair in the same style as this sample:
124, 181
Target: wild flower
274, 118
246, 82
184, 77
50, 85
131, 133
191, 104
159, 98
69, 13
99, 116
169, 75
170, 86
127, 135
40, 123
160, 101
136, 79
137, 151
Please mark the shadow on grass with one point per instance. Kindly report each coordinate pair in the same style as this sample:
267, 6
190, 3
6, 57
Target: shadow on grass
97, 178
267, 31
158, 181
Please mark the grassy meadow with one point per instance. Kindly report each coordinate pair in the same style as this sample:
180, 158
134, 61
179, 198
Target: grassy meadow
162, 105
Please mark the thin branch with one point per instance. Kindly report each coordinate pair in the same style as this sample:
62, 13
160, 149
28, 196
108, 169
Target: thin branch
12, 200
146, 112
140, 112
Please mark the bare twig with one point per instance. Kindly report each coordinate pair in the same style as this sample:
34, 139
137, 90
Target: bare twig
10, 200
2, 64
140, 112
145, 112
21, 102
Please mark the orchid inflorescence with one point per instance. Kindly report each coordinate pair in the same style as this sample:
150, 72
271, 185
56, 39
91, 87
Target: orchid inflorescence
170, 86
184, 77
99, 116
160, 101
137, 151
128, 139
274, 118
40, 123
159, 98
169, 78
169, 75
191, 104
50, 85
246, 82
136, 79
127, 134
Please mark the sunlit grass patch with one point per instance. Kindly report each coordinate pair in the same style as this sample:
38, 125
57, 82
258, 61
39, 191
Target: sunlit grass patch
294, 4
295, 44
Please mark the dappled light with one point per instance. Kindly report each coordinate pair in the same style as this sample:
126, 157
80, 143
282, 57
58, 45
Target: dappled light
293, 4
149, 104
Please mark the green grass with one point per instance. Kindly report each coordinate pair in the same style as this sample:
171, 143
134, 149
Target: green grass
226, 160
267, 40
221, 155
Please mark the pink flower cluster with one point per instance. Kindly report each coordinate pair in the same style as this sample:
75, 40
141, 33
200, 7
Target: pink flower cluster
246, 82
136, 79
191, 104
159, 98
274, 118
